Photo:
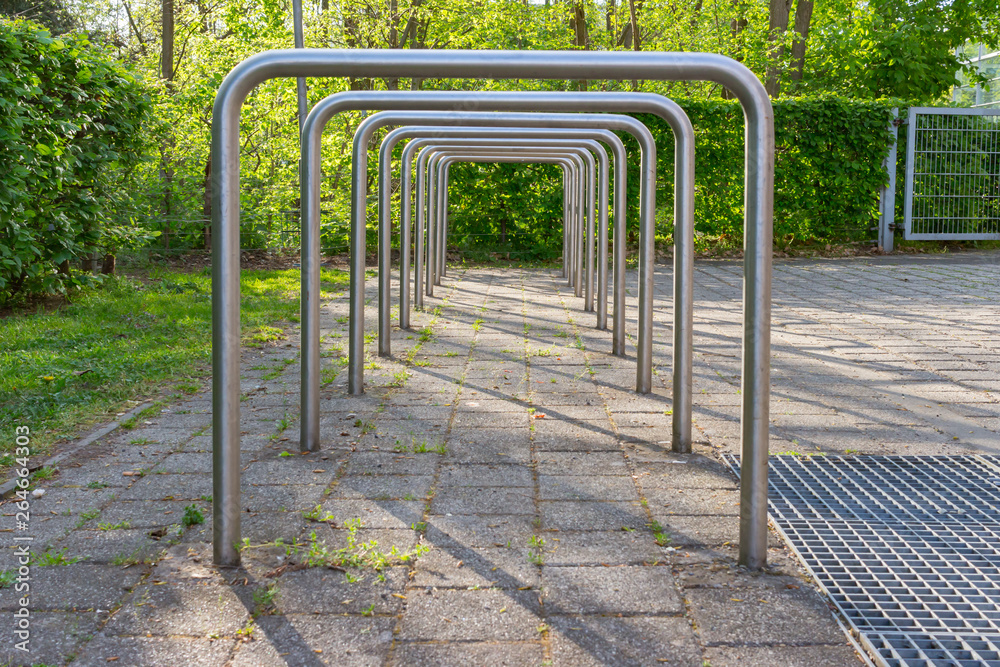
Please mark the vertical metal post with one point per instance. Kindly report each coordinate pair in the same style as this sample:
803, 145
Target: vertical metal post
911, 140
887, 197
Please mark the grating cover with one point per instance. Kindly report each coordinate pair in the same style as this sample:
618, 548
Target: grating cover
907, 548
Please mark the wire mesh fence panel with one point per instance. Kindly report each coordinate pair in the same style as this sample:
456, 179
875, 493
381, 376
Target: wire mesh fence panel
952, 174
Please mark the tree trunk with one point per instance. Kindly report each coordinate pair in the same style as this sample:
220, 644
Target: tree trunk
206, 203
167, 53
167, 74
634, 24
393, 83
580, 38
108, 268
777, 24
609, 17
803, 18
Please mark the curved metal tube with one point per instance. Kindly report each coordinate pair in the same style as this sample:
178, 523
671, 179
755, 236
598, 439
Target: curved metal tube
616, 65
362, 137
573, 226
575, 279
618, 150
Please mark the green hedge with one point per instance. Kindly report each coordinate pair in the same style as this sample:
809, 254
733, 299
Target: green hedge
828, 173
71, 129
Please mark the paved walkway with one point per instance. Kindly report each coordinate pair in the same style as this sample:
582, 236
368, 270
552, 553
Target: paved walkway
505, 441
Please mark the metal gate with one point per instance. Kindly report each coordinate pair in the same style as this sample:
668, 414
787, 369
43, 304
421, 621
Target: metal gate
952, 174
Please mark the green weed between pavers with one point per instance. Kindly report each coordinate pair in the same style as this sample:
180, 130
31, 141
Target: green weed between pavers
54, 558
76, 365
357, 555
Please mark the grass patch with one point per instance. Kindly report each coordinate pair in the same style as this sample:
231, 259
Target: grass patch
65, 369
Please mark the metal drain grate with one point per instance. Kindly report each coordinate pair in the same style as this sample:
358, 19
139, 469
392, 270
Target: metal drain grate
907, 548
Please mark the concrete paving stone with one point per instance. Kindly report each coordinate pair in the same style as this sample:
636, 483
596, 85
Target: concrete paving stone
144, 513
76, 587
491, 420
552, 401
613, 547
55, 637
169, 487
491, 654
701, 530
594, 443
160, 435
439, 414
382, 487
481, 475
337, 537
258, 527
639, 420
109, 546
289, 470
183, 609
137, 455
464, 615
587, 487
478, 531
375, 513
490, 405
643, 589
592, 641
466, 567
684, 471
565, 515
694, 501
596, 430
319, 590
581, 463
310, 640
391, 463
192, 462
488, 452
44, 531
66, 500
483, 500
495, 437
646, 436
155, 651
99, 472
762, 616
802, 656
190, 562
573, 413
287, 497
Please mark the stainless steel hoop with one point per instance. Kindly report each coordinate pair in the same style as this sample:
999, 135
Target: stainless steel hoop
617, 65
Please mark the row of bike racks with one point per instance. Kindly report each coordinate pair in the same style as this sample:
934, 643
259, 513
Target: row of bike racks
498, 127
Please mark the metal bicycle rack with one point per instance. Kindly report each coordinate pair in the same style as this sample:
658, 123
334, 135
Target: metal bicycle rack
570, 204
578, 165
363, 135
440, 138
574, 229
617, 65
447, 137
514, 101
438, 198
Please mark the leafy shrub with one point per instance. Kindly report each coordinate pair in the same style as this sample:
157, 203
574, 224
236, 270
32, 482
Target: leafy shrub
71, 131
828, 174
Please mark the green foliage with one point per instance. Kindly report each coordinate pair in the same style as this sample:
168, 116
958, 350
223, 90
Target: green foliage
192, 516
828, 168
896, 48
828, 173
506, 209
71, 132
